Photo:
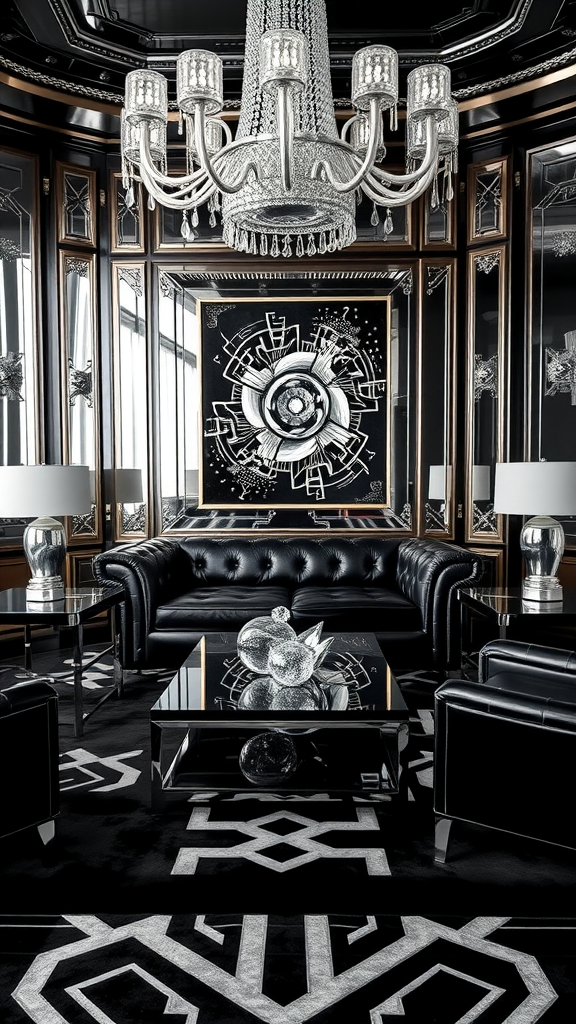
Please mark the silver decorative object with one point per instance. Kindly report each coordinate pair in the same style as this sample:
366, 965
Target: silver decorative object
269, 646
286, 183
268, 758
257, 638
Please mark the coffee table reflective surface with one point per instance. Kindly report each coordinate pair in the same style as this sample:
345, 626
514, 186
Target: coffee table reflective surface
218, 727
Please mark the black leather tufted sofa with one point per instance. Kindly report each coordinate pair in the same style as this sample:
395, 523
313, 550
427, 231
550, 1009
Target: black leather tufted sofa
401, 589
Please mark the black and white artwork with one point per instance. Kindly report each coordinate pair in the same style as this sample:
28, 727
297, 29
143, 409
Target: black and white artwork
294, 403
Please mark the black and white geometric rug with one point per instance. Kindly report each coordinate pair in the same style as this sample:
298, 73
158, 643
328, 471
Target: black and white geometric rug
270, 907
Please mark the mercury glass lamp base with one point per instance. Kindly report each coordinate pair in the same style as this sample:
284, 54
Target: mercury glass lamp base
542, 588
43, 590
542, 544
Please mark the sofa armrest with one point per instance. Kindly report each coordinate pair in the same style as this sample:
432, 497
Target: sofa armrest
429, 573
148, 570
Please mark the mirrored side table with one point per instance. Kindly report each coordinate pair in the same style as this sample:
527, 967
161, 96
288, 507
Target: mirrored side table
502, 612
79, 605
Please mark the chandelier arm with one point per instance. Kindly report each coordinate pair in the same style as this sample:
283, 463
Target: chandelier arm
183, 199
186, 181
205, 161
349, 186
384, 197
347, 125
430, 159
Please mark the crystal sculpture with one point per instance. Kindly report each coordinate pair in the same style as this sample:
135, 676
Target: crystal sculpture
257, 638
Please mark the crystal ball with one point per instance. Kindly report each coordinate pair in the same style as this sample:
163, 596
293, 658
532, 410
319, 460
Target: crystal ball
258, 694
256, 639
291, 662
268, 758
295, 698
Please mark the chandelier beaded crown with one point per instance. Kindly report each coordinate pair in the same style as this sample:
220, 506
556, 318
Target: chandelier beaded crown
288, 182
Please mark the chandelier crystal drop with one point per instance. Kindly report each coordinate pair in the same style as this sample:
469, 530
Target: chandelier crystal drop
288, 182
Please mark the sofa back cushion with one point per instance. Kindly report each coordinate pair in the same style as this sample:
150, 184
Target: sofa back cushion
291, 562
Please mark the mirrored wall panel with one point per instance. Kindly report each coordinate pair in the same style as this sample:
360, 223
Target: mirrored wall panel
486, 371
76, 203
132, 427
127, 216
20, 413
438, 407
488, 200
194, 482
551, 427
79, 374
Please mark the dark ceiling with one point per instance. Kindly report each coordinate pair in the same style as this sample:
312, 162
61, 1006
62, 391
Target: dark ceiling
88, 45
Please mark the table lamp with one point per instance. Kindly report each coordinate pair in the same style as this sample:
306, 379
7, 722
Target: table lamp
539, 489
128, 486
53, 491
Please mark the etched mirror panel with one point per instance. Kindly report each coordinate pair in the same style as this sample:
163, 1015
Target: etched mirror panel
438, 224
552, 274
486, 368
127, 216
178, 398
130, 400
438, 406
488, 200
20, 431
80, 376
187, 301
76, 198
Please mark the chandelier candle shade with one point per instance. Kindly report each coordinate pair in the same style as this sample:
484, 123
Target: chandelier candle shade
53, 491
540, 489
288, 183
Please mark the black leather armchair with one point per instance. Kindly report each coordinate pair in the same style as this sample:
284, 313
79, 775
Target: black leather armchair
504, 745
29, 794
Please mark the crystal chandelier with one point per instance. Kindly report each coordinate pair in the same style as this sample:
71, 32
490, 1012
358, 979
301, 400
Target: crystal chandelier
288, 182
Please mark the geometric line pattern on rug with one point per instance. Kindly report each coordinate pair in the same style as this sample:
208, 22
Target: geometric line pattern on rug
244, 984
78, 761
305, 840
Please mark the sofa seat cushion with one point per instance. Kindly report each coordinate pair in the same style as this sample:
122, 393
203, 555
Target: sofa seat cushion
226, 608
366, 609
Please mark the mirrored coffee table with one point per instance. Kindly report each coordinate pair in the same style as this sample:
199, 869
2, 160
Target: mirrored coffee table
218, 727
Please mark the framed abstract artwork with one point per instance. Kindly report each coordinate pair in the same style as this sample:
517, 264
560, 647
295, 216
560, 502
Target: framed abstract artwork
294, 402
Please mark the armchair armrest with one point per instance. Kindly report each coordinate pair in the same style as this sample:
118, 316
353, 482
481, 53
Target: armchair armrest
147, 570
527, 661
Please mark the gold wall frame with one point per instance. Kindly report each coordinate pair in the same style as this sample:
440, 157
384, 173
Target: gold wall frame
487, 207
437, 401
132, 425
487, 388
551, 313
80, 380
127, 223
75, 204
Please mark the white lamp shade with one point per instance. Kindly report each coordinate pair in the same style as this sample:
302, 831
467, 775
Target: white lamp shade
191, 482
480, 483
31, 491
128, 486
535, 488
439, 477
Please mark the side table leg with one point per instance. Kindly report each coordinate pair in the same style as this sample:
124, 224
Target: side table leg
28, 648
118, 672
78, 694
